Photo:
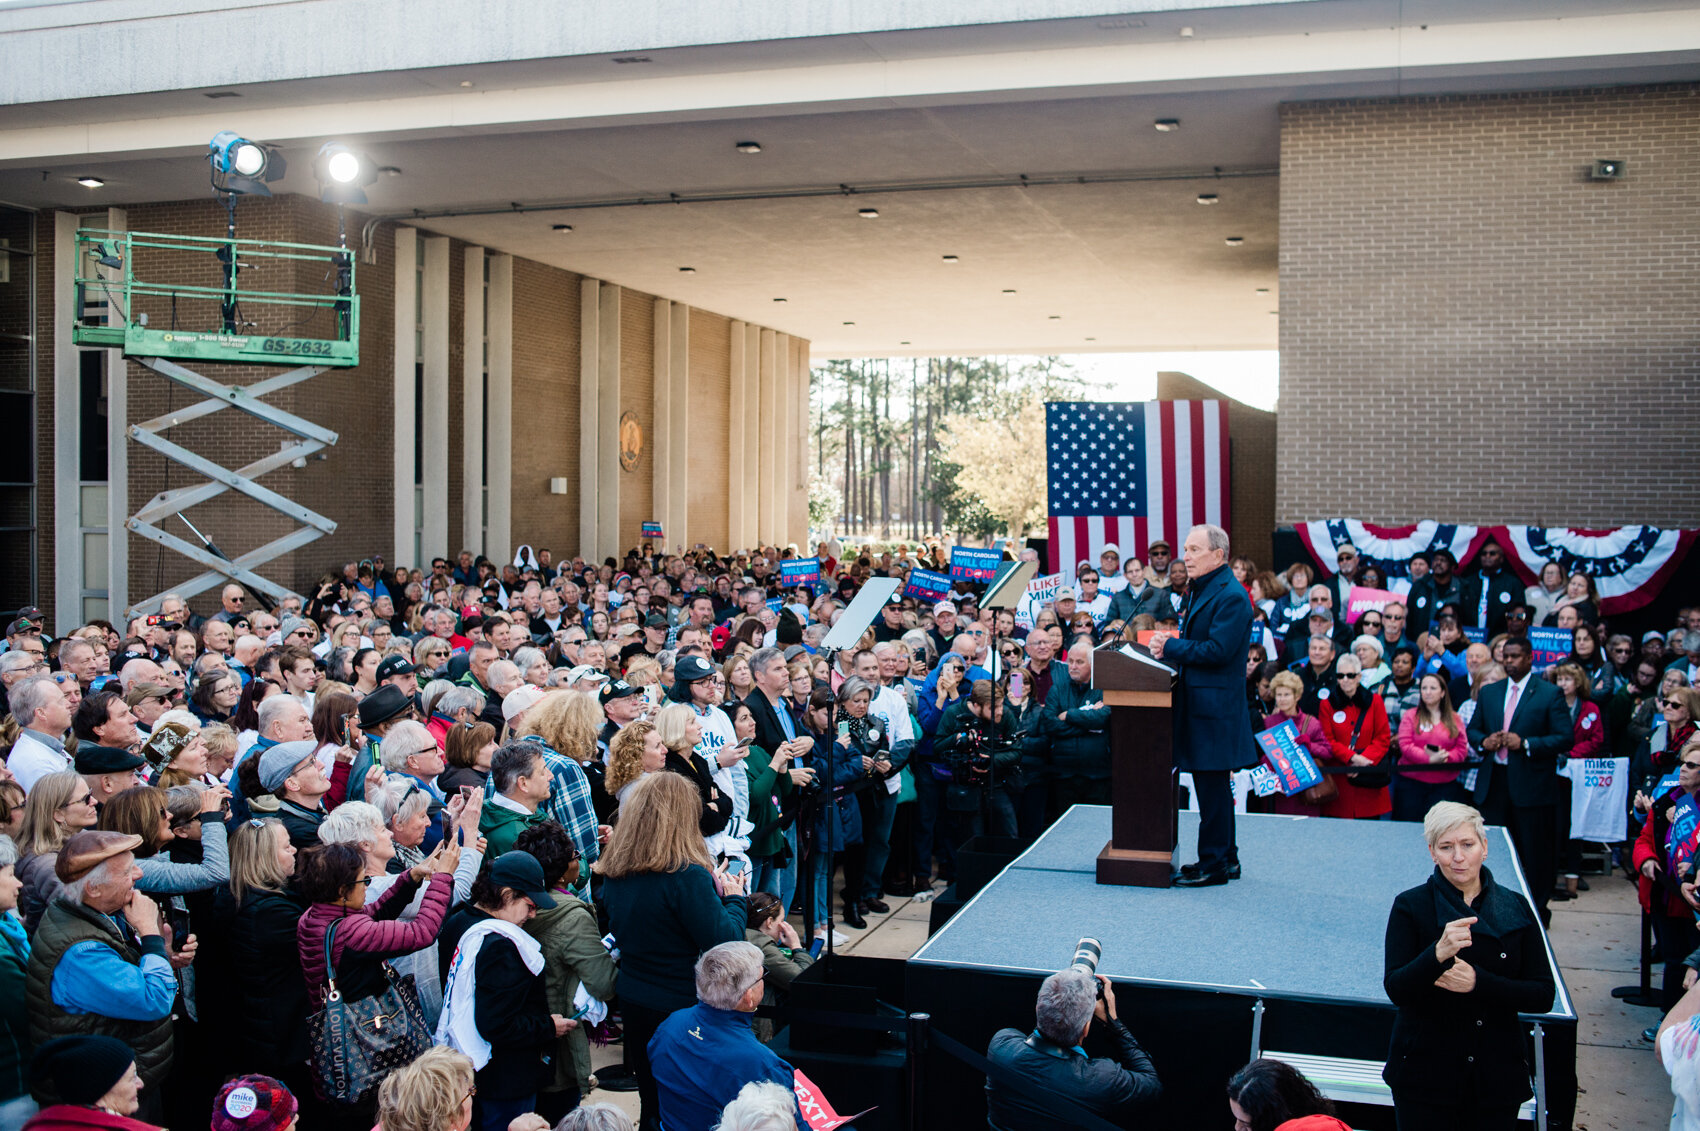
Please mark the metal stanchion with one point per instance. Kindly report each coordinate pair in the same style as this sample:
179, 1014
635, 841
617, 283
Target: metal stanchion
917, 1047
1257, 1029
1642, 993
1540, 1078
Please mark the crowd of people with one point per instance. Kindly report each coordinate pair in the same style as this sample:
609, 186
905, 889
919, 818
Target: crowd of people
511, 810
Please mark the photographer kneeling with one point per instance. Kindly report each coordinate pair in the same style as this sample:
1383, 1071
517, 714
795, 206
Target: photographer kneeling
1049, 1062
976, 739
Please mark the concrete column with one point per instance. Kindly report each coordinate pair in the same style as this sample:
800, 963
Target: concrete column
800, 424
661, 437
739, 496
767, 442
501, 331
472, 403
117, 454
67, 454
608, 533
752, 439
784, 439
434, 530
401, 423
680, 369
589, 400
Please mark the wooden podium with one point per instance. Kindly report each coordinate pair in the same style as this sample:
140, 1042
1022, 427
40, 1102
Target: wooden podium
1139, 690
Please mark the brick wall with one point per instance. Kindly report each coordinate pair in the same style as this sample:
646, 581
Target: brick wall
1251, 465
710, 414
1471, 328
546, 417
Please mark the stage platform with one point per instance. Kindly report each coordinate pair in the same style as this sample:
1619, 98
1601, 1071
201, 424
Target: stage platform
1287, 959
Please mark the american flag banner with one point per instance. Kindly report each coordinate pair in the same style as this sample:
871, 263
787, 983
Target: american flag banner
1132, 473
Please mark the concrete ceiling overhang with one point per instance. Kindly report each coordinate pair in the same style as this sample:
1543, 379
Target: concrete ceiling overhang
1104, 247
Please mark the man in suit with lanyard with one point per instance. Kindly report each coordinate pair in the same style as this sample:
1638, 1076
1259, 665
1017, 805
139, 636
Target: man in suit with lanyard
1521, 726
1212, 732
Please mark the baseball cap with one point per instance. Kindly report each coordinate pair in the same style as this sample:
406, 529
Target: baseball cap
655, 620
1064, 593
520, 700
1159, 544
617, 689
943, 606
520, 871
689, 669
146, 690
394, 665
583, 672
1110, 548
23, 624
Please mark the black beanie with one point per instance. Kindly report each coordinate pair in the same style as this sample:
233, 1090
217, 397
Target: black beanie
789, 630
82, 1069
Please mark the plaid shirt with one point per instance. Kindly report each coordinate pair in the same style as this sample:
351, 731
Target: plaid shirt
569, 801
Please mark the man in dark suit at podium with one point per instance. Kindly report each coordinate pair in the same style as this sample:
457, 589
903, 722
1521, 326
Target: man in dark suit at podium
1212, 731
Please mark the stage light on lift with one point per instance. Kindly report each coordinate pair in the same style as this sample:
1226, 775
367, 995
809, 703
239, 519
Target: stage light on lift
342, 174
243, 166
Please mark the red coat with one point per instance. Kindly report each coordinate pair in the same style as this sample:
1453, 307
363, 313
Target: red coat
1590, 732
75, 1117
1338, 718
1659, 898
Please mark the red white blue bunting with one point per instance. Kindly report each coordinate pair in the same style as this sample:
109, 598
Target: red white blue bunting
1629, 565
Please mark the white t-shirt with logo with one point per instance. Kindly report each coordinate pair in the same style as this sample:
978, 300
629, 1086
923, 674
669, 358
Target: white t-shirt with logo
717, 734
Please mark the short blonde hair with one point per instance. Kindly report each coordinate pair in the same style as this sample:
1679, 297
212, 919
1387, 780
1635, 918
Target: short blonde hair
427, 1094
1289, 680
672, 721
1445, 816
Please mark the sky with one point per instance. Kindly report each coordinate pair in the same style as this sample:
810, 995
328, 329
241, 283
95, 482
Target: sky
1252, 376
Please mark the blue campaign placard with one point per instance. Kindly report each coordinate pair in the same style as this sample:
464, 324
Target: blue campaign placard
970, 563
652, 531
799, 571
926, 586
1287, 759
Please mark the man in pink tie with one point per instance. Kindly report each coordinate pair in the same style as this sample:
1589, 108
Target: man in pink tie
1521, 726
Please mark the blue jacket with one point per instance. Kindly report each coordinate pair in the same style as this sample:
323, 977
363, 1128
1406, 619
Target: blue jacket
1211, 728
838, 817
701, 1057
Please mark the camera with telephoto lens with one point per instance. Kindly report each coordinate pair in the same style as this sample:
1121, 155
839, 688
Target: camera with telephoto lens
1087, 952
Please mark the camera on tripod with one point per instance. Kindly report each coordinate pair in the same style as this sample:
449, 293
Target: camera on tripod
972, 757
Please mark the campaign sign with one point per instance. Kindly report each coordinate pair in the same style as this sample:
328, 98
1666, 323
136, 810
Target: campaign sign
969, 563
799, 571
926, 586
775, 603
1364, 600
1290, 762
1551, 645
652, 531
1040, 592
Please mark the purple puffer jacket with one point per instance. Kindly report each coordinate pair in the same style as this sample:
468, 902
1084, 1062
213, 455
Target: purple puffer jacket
366, 936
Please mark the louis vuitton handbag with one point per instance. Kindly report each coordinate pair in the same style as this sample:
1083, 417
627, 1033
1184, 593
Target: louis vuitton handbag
358, 1043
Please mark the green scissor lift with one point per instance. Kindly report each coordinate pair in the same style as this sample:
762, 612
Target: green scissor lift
166, 299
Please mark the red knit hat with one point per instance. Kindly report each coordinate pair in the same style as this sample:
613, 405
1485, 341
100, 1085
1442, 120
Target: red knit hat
253, 1103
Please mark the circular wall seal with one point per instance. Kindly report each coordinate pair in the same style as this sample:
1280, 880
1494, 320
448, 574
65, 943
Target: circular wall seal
631, 440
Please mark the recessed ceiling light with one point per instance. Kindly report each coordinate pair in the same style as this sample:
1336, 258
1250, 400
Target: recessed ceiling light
849, 323
90, 182
220, 94
748, 147
1209, 198
1186, 33
687, 270
1009, 290
779, 300
560, 227
466, 82
1056, 318
951, 259
389, 170
1091, 339
868, 213
1234, 241
1262, 290
903, 343
1167, 125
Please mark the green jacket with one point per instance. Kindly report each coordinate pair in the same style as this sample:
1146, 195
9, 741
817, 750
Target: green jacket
501, 826
572, 953
765, 784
